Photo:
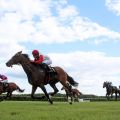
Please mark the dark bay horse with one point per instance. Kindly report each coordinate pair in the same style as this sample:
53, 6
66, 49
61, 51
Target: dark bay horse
75, 92
37, 76
110, 90
9, 89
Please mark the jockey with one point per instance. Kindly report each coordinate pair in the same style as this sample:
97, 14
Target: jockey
43, 60
4, 80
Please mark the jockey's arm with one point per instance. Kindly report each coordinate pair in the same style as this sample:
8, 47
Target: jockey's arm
3, 78
40, 60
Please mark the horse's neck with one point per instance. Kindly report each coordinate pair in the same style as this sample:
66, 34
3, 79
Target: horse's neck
27, 66
30, 69
109, 88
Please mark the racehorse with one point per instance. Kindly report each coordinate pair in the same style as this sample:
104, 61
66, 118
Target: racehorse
37, 76
110, 90
9, 89
75, 92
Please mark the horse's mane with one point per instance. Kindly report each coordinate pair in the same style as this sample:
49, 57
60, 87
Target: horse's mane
26, 56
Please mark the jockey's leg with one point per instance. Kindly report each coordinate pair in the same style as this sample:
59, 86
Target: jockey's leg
48, 70
46, 64
46, 67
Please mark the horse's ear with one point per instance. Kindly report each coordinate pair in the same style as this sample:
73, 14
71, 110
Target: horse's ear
19, 52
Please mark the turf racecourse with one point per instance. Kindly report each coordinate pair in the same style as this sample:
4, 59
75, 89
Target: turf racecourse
32, 110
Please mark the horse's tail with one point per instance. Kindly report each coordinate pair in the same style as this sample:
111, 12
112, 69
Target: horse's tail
20, 90
72, 81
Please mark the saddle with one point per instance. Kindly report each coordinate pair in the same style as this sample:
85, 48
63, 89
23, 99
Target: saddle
5, 86
50, 74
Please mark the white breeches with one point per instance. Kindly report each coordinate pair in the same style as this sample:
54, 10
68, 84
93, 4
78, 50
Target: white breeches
48, 62
4, 81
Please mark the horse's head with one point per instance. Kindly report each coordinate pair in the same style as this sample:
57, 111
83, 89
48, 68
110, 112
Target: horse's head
107, 84
104, 84
16, 59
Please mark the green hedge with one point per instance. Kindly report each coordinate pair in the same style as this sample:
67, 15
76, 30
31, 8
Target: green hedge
58, 97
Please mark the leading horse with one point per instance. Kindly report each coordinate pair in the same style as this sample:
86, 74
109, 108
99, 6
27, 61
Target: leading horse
9, 89
37, 76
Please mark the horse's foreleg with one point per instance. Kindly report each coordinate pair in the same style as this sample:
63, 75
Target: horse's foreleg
7, 95
116, 96
73, 99
107, 96
33, 91
55, 89
111, 95
77, 97
1, 98
46, 94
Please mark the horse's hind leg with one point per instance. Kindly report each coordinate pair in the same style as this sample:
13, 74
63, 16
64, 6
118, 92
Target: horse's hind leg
55, 90
69, 98
69, 93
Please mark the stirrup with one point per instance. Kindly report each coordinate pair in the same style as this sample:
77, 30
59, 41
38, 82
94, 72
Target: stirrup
50, 71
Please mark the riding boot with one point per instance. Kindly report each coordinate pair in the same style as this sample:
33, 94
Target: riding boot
46, 67
48, 70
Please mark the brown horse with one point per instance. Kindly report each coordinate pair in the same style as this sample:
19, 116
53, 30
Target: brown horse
37, 76
75, 92
9, 89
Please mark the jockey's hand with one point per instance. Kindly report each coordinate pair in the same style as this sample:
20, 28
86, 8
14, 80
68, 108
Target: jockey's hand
32, 61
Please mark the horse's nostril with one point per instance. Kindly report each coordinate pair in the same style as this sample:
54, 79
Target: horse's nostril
7, 64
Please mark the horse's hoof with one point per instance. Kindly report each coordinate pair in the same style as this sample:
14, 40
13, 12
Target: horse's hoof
1, 100
70, 103
51, 102
43, 97
50, 96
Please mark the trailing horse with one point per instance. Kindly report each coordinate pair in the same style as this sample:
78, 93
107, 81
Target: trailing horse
110, 90
37, 76
9, 89
75, 92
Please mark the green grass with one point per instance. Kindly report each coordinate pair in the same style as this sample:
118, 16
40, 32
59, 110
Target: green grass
31, 110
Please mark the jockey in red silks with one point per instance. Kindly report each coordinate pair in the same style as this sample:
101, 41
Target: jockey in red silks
4, 80
43, 60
